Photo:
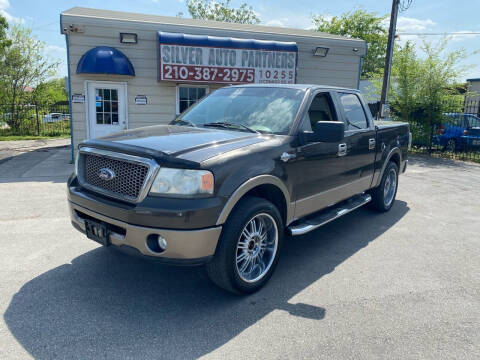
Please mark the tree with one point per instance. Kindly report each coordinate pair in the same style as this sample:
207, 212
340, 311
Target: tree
363, 25
406, 72
23, 64
221, 11
50, 92
4, 41
423, 88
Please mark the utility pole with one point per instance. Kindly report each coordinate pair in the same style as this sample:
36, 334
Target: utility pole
388, 58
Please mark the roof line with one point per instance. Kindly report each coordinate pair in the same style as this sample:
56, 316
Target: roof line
169, 20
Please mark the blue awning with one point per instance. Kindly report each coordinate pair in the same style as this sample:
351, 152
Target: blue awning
105, 60
225, 42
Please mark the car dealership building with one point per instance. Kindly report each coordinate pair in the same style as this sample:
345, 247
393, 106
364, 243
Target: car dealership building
128, 70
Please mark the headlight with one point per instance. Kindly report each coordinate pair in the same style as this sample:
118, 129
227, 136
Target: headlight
182, 182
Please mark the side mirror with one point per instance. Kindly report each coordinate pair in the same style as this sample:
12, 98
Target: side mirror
325, 131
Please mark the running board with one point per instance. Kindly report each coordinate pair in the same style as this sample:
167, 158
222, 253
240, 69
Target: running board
324, 217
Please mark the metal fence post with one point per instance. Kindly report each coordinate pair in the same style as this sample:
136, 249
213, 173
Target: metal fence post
38, 122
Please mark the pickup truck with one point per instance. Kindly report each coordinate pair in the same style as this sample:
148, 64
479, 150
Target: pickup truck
226, 181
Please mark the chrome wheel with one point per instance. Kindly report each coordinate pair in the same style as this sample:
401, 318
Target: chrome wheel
390, 187
256, 248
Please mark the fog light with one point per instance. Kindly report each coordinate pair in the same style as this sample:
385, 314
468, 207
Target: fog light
156, 243
162, 243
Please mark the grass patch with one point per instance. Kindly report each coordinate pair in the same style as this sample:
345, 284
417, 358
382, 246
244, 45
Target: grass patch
460, 155
32, 137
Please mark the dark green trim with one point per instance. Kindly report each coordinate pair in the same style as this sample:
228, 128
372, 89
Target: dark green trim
69, 92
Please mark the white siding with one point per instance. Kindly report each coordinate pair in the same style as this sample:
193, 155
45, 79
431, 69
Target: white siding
339, 68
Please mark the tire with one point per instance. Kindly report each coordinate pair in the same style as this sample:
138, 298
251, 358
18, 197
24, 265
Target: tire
257, 251
383, 200
451, 145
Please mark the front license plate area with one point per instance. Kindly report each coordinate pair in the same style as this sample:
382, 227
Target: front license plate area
97, 232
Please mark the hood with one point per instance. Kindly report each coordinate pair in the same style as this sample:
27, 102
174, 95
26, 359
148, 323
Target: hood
182, 142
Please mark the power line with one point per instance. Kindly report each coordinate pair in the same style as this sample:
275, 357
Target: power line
444, 33
39, 27
405, 4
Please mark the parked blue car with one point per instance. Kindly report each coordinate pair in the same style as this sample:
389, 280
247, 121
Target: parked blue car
458, 132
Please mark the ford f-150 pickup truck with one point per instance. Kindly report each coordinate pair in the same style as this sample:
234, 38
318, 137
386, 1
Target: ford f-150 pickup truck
228, 179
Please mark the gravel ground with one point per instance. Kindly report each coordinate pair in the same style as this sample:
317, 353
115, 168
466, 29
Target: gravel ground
400, 285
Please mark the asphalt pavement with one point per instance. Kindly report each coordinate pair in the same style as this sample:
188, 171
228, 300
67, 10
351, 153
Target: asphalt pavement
9, 149
399, 285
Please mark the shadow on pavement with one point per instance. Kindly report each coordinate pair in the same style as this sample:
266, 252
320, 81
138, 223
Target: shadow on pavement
49, 164
106, 304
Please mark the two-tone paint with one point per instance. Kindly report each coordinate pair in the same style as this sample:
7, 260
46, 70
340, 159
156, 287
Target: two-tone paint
313, 175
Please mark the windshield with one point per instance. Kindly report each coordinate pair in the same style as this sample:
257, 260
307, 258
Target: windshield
263, 109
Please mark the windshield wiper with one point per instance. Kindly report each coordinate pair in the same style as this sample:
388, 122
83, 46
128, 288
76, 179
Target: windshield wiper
230, 125
184, 122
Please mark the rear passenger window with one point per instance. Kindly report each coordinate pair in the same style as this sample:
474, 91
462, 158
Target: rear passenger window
356, 118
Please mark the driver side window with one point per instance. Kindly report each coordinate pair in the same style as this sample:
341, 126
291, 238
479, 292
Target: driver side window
321, 109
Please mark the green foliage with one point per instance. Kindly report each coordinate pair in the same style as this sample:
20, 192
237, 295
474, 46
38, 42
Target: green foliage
221, 11
31, 137
405, 72
4, 41
50, 92
22, 65
424, 87
363, 25
426, 83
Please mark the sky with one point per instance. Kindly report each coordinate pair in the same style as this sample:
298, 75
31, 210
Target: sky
423, 16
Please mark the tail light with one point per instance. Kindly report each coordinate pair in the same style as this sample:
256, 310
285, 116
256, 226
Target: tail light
441, 130
465, 132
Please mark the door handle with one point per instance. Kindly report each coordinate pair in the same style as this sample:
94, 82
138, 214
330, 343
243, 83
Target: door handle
371, 144
342, 149
286, 156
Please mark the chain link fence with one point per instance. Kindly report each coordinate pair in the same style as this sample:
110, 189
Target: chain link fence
35, 120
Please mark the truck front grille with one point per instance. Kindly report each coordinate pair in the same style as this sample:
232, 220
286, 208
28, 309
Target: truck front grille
114, 175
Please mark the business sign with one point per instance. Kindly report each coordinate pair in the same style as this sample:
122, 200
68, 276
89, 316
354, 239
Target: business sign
141, 100
78, 98
209, 59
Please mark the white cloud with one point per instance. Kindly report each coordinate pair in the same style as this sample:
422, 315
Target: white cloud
296, 22
57, 53
411, 25
56, 49
4, 5
406, 24
277, 22
463, 35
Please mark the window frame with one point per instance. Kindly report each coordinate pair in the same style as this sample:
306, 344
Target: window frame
177, 93
338, 95
333, 107
123, 85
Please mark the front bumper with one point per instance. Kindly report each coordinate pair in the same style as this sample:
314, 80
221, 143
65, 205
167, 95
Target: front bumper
184, 247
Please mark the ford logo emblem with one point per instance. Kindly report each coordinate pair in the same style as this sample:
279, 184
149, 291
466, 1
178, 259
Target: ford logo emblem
106, 174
